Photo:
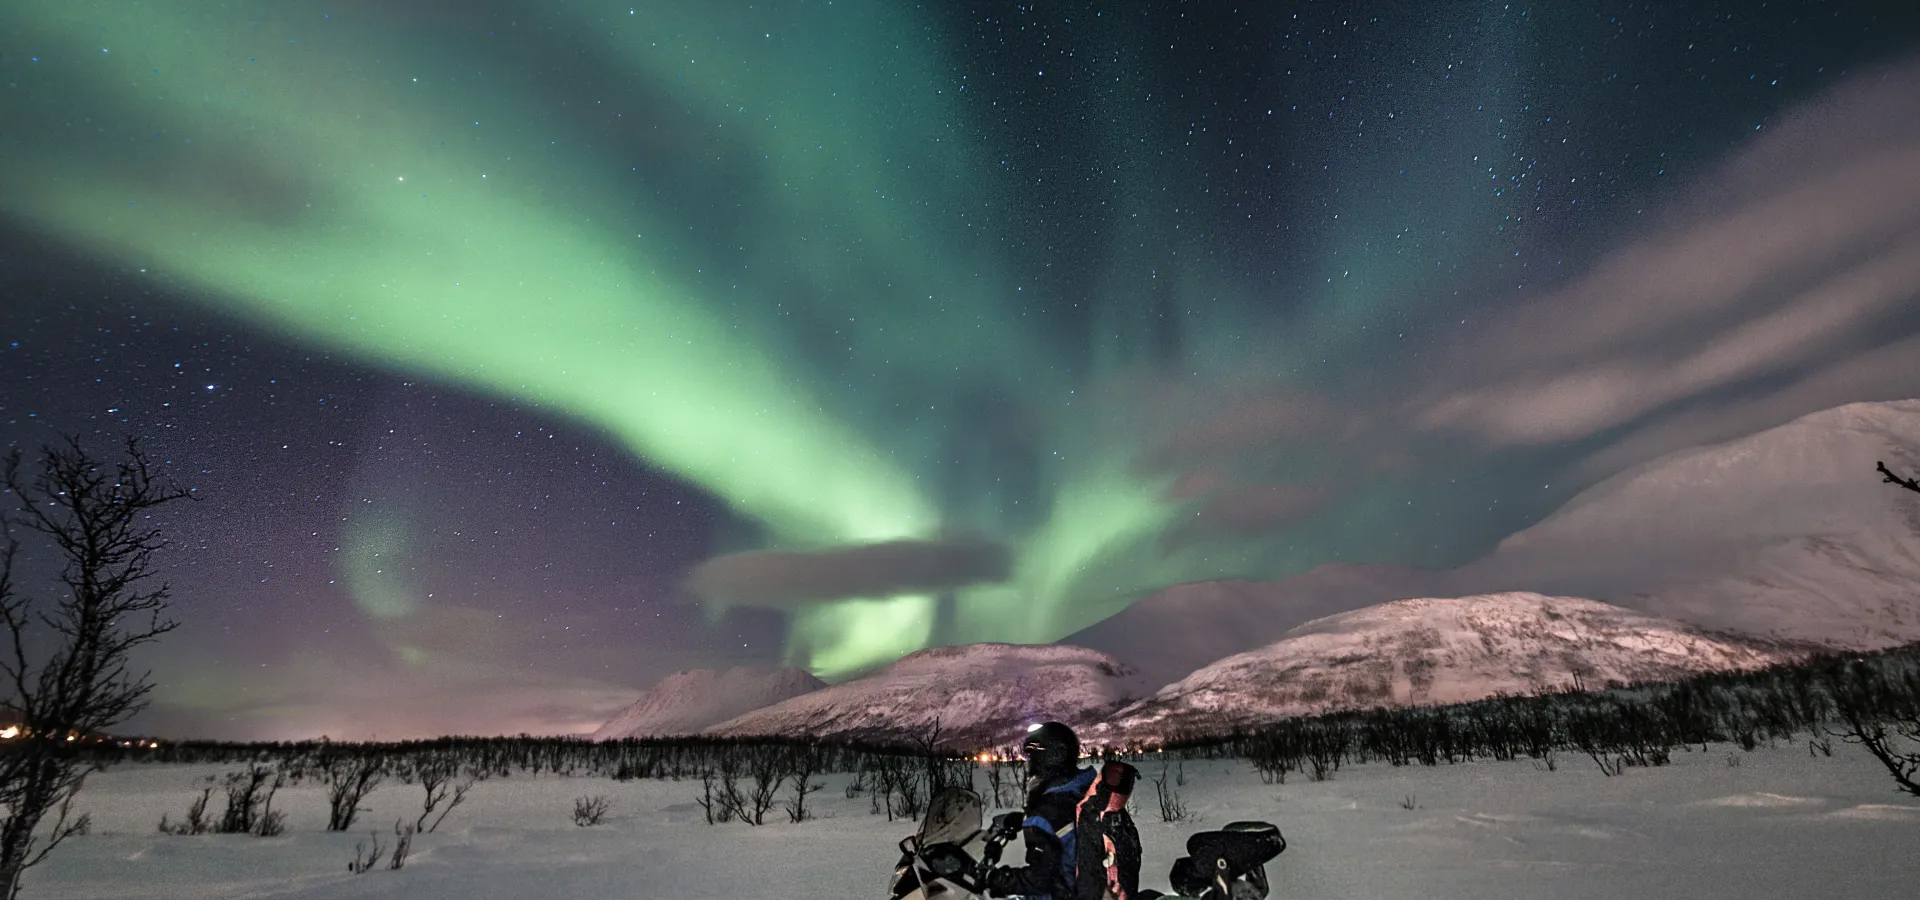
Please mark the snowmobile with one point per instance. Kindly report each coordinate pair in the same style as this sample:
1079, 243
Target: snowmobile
948, 857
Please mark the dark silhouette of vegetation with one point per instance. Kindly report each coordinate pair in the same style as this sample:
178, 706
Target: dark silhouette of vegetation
1912, 484
250, 803
589, 811
350, 777
1867, 709
196, 821
65, 665
440, 776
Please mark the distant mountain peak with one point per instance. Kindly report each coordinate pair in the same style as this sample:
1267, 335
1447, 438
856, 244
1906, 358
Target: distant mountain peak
978, 695
689, 701
1436, 651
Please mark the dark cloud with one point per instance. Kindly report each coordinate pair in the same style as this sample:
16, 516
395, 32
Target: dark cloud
779, 579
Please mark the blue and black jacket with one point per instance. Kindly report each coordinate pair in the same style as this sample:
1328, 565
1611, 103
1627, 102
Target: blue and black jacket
1052, 807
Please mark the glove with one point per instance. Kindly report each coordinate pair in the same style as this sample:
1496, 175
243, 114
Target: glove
1001, 881
1006, 825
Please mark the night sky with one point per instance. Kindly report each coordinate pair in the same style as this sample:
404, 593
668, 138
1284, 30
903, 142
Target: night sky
520, 354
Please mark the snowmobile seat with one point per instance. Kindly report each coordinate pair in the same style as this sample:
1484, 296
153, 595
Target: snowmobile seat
1239, 847
1228, 864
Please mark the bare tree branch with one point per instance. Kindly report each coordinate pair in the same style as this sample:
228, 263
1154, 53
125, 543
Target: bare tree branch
1912, 484
64, 658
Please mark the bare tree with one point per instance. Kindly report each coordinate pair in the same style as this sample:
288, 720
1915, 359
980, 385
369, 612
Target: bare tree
350, 778
802, 768
769, 772
1864, 723
66, 663
439, 773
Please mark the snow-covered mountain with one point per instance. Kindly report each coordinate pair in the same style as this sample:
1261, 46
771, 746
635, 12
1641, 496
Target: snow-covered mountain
1786, 533
1432, 652
980, 694
687, 702
1177, 630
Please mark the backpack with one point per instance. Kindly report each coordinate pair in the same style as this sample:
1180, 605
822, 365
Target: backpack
1107, 845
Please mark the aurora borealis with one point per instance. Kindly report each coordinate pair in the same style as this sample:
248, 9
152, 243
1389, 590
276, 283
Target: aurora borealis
969, 324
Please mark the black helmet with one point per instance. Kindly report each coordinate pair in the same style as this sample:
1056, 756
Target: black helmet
1051, 748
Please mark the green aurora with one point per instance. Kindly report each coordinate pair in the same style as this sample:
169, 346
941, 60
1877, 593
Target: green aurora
758, 250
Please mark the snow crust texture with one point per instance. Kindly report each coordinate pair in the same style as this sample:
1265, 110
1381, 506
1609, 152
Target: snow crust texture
686, 702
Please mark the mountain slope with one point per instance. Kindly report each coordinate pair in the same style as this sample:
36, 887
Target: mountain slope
981, 695
686, 702
1786, 533
1177, 630
1434, 651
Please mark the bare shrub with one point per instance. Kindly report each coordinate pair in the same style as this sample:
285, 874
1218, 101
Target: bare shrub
589, 811
731, 803
440, 776
708, 799
768, 775
364, 858
805, 765
350, 778
250, 803
197, 821
402, 844
1172, 808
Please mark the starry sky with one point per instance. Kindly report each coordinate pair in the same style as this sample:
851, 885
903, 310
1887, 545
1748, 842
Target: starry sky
520, 354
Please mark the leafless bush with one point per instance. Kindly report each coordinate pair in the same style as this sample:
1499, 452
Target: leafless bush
197, 821
1409, 803
1172, 808
350, 778
403, 843
997, 782
708, 799
250, 803
907, 787
588, 811
440, 776
363, 857
1902, 765
730, 802
804, 767
768, 774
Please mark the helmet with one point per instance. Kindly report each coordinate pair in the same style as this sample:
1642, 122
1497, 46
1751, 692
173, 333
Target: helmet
1051, 748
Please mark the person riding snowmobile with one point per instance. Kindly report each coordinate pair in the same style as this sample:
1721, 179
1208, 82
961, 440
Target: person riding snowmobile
1055, 784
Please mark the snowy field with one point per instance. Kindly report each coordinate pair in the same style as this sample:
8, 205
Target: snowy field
1780, 824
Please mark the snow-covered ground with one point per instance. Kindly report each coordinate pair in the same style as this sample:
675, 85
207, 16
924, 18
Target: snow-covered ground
1779, 824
